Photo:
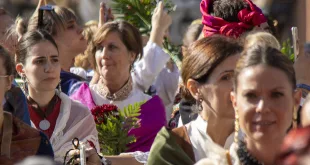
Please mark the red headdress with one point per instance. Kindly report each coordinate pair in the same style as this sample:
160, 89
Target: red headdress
215, 25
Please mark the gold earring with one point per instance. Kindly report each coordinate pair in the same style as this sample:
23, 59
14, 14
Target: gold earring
295, 116
237, 127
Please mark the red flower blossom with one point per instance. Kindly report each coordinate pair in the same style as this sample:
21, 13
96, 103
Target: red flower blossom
100, 113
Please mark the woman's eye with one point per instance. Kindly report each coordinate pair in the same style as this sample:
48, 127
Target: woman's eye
39, 61
111, 47
227, 77
99, 47
250, 95
276, 94
70, 26
55, 60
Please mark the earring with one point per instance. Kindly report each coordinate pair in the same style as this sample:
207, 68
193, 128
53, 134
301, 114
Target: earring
59, 86
295, 118
24, 85
196, 108
236, 138
132, 69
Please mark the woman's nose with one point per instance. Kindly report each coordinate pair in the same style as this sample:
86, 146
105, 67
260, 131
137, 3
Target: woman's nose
48, 67
262, 106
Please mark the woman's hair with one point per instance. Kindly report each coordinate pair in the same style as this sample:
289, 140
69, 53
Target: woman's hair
130, 36
266, 55
6, 61
228, 9
203, 56
30, 39
84, 60
261, 37
53, 21
192, 34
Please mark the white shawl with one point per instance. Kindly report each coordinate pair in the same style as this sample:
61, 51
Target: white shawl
74, 120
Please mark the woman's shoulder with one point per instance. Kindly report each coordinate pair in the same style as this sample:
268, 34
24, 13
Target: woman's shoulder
166, 149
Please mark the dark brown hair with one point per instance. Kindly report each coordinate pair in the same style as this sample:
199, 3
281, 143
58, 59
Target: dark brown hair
228, 9
263, 54
128, 34
7, 61
203, 56
30, 39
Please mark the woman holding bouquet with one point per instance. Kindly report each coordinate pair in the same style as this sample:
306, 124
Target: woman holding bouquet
51, 111
116, 47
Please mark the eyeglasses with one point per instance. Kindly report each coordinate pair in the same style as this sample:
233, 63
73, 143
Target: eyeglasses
40, 16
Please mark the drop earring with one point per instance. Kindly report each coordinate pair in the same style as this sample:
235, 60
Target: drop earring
24, 86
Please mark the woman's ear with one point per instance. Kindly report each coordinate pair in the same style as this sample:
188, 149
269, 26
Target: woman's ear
193, 86
233, 99
132, 57
20, 69
297, 97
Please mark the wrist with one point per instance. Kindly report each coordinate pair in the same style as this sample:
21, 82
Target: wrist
157, 36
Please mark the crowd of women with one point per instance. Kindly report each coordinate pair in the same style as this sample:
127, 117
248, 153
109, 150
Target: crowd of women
237, 99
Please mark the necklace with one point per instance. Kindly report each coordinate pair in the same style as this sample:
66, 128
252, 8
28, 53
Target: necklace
245, 157
120, 95
44, 123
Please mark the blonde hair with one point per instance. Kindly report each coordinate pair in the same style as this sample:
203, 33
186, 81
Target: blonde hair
84, 60
53, 20
261, 37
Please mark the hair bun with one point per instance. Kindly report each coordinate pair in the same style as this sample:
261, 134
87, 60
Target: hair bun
20, 27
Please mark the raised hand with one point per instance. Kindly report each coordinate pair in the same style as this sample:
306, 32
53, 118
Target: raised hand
105, 14
161, 21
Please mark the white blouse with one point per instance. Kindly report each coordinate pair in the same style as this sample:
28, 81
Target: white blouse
197, 132
74, 120
148, 68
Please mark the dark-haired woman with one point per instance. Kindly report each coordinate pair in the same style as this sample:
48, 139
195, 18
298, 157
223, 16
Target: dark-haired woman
207, 71
51, 111
265, 101
18, 140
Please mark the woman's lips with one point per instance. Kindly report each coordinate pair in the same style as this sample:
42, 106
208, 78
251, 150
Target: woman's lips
263, 123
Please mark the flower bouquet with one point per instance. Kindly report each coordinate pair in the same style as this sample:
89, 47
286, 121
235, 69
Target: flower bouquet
113, 125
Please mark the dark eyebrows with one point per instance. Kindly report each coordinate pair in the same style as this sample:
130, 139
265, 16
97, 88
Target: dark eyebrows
226, 71
54, 56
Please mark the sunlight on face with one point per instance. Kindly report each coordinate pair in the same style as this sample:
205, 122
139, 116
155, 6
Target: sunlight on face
265, 101
42, 67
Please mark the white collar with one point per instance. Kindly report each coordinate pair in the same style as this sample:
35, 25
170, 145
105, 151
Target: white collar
202, 126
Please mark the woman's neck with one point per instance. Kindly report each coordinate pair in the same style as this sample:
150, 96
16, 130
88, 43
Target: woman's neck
66, 63
41, 98
219, 129
265, 152
114, 85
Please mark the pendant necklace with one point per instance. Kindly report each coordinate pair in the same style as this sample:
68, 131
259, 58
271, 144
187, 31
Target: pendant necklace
44, 124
